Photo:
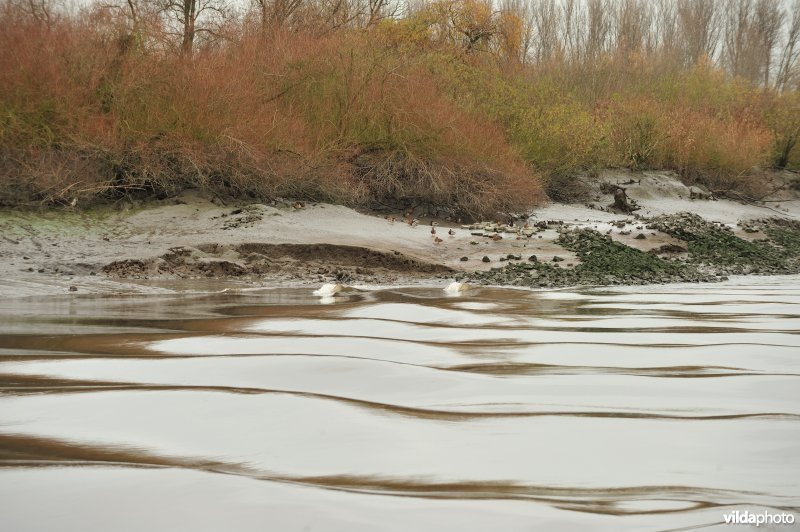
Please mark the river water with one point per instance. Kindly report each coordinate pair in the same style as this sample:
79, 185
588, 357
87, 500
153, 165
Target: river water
643, 408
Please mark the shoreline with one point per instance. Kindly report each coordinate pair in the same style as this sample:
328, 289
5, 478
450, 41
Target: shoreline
191, 240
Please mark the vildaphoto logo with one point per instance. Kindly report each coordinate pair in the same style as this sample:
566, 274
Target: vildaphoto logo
764, 518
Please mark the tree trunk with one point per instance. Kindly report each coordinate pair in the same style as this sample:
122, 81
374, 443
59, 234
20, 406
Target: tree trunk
621, 203
189, 15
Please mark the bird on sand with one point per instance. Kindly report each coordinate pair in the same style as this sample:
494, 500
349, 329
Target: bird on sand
433, 230
437, 240
451, 232
496, 237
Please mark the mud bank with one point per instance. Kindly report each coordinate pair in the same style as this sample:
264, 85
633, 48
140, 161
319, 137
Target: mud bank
290, 262
676, 234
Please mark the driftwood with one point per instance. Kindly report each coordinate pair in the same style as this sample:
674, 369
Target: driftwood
622, 203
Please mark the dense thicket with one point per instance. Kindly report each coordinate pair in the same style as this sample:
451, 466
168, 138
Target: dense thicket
366, 102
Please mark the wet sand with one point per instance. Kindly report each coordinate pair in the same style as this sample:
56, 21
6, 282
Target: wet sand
171, 246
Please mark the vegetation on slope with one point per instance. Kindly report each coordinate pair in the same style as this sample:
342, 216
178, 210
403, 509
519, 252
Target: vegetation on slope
456, 103
713, 253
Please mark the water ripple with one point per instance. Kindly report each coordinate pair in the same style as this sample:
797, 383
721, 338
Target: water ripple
646, 408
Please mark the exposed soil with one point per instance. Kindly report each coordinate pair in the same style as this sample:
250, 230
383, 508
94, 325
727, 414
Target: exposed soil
277, 261
177, 243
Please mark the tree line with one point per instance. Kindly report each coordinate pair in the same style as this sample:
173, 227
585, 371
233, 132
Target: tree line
756, 40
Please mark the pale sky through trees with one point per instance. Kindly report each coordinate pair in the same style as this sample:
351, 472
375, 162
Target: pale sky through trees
758, 40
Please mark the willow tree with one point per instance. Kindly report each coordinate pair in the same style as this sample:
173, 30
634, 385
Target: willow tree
194, 18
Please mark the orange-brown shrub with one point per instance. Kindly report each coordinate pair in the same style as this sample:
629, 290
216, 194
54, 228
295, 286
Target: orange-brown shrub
718, 152
384, 116
85, 114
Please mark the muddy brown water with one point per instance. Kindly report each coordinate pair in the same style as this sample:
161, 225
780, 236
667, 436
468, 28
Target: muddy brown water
646, 408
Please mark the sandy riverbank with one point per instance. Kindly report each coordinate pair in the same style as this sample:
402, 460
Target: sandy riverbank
177, 243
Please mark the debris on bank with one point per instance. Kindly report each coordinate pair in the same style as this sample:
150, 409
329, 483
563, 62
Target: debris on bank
716, 248
714, 252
